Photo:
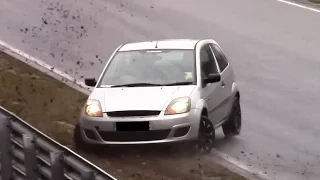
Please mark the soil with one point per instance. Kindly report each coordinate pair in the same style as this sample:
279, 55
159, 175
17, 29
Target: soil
53, 107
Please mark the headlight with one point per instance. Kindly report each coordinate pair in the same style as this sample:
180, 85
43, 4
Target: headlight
178, 106
93, 108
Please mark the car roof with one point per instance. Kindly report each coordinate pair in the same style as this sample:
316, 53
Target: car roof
160, 44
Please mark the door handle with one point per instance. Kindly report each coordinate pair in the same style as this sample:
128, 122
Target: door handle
222, 84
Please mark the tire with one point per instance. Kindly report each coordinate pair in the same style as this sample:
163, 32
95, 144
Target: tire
233, 125
79, 143
206, 137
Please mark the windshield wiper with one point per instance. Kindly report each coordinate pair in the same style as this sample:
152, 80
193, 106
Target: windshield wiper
177, 84
151, 84
136, 85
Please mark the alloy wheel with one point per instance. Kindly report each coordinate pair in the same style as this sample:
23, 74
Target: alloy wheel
206, 136
237, 117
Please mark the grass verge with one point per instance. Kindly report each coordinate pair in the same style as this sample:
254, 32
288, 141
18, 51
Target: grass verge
315, 1
53, 108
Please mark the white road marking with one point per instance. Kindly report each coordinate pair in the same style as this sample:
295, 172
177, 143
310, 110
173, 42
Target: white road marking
299, 5
26, 58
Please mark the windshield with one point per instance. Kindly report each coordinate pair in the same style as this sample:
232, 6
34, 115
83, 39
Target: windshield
150, 67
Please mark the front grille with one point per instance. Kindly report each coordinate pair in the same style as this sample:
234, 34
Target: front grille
132, 113
134, 135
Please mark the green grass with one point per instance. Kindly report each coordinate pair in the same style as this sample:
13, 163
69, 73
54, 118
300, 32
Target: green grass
54, 108
315, 1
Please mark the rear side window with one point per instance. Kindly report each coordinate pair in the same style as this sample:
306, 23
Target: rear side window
221, 59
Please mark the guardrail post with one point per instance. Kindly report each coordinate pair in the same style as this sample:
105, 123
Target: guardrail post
5, 148
30, 156
89, 175
57, 172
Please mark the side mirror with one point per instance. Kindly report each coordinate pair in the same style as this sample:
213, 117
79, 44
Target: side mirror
212, 78
90, 82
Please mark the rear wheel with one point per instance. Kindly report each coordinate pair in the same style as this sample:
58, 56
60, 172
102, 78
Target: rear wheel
206, 136
233, 126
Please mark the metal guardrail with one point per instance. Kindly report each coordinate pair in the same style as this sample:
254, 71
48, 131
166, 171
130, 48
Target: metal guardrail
28, 154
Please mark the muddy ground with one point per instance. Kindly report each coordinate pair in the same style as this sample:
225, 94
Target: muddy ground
53, 107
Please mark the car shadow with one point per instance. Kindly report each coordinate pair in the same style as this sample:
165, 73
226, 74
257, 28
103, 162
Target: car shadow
226, 142
172, 150
147, 150
166, 150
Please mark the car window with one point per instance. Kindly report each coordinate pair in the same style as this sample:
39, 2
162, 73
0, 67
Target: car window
156, 67
221, 59
208, 64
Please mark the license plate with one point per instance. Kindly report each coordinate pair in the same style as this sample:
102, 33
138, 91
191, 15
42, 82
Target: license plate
133, 126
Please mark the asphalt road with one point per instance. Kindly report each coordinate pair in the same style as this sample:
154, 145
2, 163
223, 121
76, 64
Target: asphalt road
273, 47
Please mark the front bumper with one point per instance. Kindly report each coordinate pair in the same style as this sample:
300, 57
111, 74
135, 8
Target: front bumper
163, 129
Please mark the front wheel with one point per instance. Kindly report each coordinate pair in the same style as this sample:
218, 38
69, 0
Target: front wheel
206, 135
233, 125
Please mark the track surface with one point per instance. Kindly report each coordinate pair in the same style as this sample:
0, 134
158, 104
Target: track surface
273, 47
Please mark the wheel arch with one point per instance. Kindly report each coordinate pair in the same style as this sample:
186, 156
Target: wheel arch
238, 95
202, 106
235, 90
204, 112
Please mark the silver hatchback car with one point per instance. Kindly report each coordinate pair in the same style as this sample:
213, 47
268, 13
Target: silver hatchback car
161, 91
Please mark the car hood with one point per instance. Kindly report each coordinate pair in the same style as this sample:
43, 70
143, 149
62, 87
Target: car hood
139, 98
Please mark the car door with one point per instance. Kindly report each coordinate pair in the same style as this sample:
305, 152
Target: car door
226, 80
212, 92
